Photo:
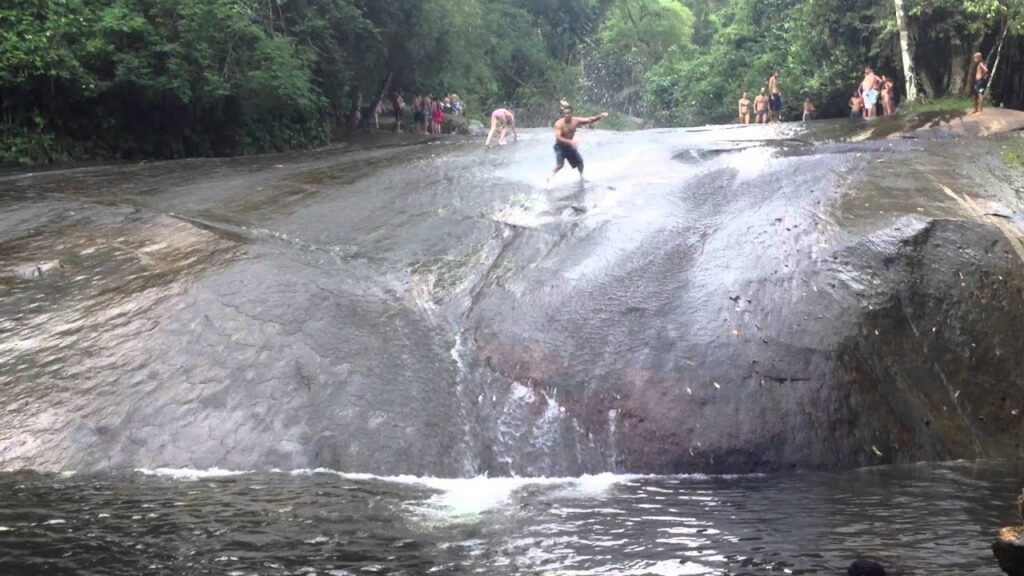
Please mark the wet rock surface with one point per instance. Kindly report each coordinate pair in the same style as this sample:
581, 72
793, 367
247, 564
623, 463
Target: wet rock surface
1009, 550
865, 568
711, 300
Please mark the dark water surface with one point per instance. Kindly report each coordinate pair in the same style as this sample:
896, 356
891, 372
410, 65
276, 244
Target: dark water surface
923, 519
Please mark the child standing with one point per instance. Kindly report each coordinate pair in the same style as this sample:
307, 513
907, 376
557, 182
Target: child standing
808, 108
437, 117
856, 106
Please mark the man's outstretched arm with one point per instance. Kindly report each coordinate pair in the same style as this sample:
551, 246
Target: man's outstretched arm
594, 119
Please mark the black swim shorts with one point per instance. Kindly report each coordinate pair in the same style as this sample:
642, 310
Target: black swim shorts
565, 152
979, 86
776, 102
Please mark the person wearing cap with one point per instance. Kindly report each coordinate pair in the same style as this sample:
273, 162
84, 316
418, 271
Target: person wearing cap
565, 141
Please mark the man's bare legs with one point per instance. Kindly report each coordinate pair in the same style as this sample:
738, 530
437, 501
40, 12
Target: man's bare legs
501, 135
547, 183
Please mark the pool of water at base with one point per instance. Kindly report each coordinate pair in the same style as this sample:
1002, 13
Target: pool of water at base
922, 519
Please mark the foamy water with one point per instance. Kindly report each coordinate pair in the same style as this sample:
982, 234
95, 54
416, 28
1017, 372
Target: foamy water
927, 520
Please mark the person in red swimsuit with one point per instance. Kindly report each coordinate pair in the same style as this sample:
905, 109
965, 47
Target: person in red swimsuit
437, 117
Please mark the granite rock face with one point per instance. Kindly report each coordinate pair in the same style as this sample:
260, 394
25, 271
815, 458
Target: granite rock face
713, 300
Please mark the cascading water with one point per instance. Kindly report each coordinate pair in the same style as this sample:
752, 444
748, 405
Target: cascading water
471, 363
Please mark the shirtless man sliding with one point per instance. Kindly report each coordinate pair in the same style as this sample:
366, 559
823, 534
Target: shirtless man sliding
565, 143
744, 109
980, 80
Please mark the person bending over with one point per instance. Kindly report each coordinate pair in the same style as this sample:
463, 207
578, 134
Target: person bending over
507, 120
565, 142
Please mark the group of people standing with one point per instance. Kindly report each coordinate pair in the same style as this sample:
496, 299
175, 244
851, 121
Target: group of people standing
872, 91
427, 111
767, 104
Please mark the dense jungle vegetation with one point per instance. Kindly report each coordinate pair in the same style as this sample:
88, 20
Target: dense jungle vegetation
86, 79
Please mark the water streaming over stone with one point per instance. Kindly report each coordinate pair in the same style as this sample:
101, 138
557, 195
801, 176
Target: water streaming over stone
709, 300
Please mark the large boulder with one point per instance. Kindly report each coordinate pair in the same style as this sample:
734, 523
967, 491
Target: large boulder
462, 125
705, 304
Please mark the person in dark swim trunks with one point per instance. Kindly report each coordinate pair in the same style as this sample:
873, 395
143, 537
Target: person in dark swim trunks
761, 107
774, 96
565, 143
980, 82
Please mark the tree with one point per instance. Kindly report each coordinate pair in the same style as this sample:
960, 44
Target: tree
906, 52
634, 38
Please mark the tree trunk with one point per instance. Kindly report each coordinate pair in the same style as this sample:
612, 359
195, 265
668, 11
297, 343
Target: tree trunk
959, 70
907, 51
385, 88
928, 86
999, 52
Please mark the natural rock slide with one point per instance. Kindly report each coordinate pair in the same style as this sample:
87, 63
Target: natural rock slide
724, 300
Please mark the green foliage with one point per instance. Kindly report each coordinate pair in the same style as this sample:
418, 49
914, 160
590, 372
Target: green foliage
636, 37
172, 78
818, 47
938, 105
24, 146
1013, 153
